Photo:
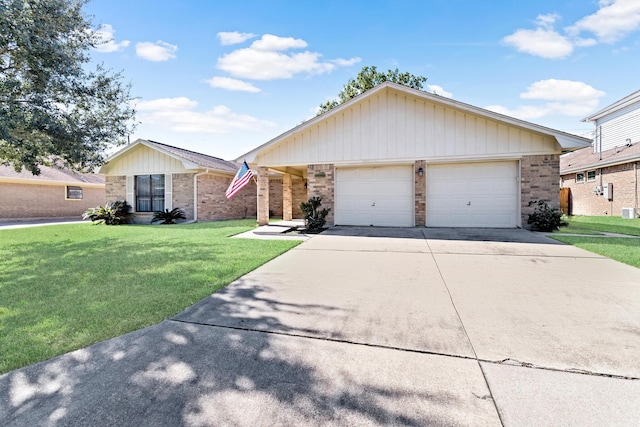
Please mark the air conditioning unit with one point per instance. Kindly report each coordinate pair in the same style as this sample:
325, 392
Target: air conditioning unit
629, 213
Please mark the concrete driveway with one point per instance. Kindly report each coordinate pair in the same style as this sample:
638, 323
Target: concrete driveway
371, 326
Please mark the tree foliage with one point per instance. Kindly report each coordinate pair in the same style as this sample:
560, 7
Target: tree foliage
53, 109
368, 78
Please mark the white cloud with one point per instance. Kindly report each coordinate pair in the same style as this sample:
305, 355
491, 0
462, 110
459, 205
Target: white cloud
232, 84
158, 51
105, 41
612, 22
438, 90
564, 97
543, 42
179, 115
267, 59
234, 37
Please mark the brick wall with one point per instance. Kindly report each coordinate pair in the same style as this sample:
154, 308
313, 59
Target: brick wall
182, 193
299, 193
539, 181
320, 182
116, 188
420, 196
584, 201
21, 201
214, 205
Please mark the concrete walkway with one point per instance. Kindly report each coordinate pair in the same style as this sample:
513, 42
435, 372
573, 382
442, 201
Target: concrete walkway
371, 326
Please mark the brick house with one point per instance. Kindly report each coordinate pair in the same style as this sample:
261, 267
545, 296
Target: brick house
55, 193
603, 179
152, 176
395, 156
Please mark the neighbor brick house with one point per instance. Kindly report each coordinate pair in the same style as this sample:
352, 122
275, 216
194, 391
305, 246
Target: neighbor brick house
152, 176
603, 179
54, 193
396, 156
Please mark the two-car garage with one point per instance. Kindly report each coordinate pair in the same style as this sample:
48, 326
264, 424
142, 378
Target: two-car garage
482, 194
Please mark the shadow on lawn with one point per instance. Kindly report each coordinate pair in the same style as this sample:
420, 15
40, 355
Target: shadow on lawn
181, 373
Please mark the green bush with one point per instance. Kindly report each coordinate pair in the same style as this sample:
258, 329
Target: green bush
118, 212
314, 217
168, 216
544, 217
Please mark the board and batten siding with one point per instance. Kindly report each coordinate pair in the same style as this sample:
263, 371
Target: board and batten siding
144, 160
393, 126
617, 128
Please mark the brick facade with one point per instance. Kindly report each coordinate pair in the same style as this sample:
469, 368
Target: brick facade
213, 204
320, 182
585, 201
298, 195
21, 201
182, 193
539, 181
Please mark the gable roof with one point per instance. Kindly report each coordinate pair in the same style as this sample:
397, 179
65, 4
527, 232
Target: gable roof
616, 106
581, 160
565, 140
51, 175
189, 159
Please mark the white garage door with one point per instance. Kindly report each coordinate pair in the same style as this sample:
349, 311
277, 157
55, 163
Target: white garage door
380, 196
473, 195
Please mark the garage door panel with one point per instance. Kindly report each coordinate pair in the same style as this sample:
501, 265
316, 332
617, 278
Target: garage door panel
473, 195
380, 195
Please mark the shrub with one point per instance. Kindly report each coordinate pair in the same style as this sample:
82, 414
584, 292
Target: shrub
168, 216
118, 212
314, 218
544, 217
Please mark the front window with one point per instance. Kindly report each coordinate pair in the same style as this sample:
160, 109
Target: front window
74, 193
591, 175
149, 193
580, 177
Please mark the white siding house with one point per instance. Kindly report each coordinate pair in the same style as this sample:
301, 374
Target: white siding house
617, 125
395, 156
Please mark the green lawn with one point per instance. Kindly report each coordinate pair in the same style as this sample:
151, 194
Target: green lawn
63, 287
626, 250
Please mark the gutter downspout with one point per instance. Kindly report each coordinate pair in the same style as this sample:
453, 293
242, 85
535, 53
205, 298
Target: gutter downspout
635, 173
195, 193
600, 138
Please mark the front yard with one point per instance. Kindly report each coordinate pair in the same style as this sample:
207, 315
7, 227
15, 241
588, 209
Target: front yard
623, 249
63, 287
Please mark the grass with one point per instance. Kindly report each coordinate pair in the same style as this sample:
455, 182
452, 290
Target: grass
623, 249
63, 287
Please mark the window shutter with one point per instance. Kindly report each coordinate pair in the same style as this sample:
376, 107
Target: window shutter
130, 192
168, 191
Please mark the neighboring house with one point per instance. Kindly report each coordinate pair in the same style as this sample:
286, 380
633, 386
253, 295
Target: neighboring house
55, 193
603, 179
396, 156
152, 176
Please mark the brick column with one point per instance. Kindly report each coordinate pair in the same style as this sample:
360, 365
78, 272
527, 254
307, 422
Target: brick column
320, 182
263, 196
540, 180
287, 198
420, 193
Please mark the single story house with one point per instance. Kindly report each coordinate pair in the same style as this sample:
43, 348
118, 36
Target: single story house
55, 193
152, 176
603, 179
396, 156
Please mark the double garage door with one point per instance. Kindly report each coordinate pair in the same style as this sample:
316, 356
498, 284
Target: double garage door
458, 195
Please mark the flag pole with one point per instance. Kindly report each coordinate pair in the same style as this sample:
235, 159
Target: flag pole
253, 176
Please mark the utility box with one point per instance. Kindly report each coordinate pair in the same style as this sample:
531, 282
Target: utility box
628, 213
607, 191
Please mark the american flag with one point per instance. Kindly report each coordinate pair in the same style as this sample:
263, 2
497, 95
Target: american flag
241, 179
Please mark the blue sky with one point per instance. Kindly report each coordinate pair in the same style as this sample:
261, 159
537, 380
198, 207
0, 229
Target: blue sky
222, 77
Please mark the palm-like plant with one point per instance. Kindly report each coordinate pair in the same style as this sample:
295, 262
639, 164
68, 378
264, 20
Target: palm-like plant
168, 216
114, 213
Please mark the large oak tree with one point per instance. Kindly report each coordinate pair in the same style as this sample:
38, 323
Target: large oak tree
368, 78
54, 108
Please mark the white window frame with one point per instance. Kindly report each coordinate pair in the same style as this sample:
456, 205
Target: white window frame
594, 176
75, 188
580, 181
